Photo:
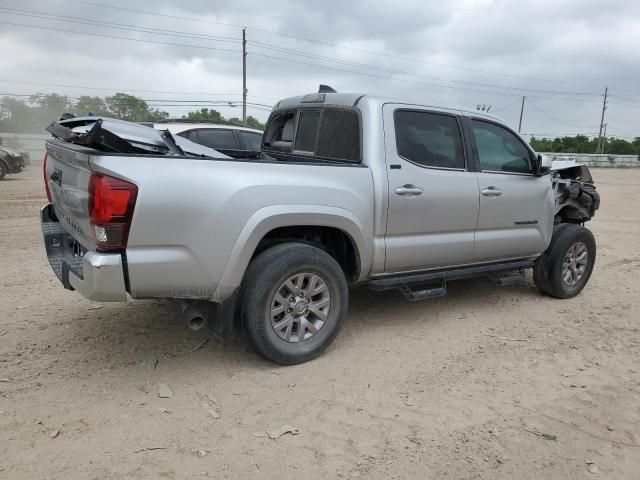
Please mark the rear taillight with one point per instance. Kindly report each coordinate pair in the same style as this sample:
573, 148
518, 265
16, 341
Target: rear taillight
111, 204
46, 182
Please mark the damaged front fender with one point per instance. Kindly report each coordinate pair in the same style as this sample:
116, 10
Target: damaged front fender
577, 199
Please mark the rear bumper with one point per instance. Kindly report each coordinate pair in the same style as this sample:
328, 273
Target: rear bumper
96, 276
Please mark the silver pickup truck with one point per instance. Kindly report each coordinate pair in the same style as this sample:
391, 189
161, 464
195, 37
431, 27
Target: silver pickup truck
349, 189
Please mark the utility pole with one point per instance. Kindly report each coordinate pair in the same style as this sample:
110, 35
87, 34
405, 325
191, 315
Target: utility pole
604, 138
604, 107
521, 113
244, 77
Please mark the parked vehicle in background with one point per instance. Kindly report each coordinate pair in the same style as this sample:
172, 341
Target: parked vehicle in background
232, 140
11, 160
349, 189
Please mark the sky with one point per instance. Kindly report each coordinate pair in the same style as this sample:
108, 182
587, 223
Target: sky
559, 54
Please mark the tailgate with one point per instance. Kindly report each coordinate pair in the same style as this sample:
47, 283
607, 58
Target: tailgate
67, 175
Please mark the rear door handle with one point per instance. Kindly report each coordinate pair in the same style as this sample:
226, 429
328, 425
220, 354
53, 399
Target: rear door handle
408, 190
491, 192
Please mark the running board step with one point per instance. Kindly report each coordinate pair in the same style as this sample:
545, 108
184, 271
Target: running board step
415, 294
417, 280
509, 280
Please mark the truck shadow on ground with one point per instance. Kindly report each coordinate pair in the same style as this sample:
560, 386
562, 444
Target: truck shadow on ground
146, 333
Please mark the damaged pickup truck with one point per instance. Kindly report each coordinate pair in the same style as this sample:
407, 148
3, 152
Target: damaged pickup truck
349, 189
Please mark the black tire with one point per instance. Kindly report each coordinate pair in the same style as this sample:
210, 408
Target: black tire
540, 276
265, 276
3, 170
547, 270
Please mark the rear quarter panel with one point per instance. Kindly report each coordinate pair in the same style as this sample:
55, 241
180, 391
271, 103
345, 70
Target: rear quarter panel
197, 221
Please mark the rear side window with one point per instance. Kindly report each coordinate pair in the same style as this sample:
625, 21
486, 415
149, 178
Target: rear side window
499, 149
251, 140
307, 131
214, 138
339, 136
429, 139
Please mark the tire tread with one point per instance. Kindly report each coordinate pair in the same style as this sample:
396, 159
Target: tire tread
259, 278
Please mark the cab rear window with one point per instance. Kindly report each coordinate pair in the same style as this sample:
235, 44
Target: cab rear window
307, 131
339, 135
324, 133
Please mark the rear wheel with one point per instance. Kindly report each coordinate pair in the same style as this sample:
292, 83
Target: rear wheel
564, 269
294, 300
3, 170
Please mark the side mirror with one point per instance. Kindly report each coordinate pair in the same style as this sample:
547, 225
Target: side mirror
543, 164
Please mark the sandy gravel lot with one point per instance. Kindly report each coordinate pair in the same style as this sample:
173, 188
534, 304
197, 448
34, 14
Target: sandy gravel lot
488, 382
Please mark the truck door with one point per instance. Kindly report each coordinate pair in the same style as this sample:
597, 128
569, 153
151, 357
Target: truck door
433, 196
516, 207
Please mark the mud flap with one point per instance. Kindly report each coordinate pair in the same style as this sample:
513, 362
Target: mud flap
220, 316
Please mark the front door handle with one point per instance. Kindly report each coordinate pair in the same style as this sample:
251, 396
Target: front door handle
408, 190
491, 192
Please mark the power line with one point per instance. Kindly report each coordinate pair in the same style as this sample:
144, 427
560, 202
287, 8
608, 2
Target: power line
321, 58
506, 106
373, 75
276, 48
84, 87
403, 72
631, 135
149, 101
235, 51
279, 49
175, 17
254, 53
624, 99
553, 117
557, 99
119, 26
624, 104
40, 27
368, 74
319, 42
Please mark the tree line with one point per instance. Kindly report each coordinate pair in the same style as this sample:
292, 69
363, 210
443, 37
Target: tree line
34, 113
584, 144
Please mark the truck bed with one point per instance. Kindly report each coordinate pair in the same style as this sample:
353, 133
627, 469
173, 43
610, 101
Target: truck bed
197, 220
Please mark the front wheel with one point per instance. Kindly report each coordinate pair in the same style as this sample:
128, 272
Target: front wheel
3, 170
564, 269
294, 300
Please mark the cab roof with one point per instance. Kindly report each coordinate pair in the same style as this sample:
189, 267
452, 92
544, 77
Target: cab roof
358, 99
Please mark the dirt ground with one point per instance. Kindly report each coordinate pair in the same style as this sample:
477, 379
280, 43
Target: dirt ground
488, 382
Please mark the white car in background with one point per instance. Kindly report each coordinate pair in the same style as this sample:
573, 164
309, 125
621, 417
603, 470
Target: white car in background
232, 140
